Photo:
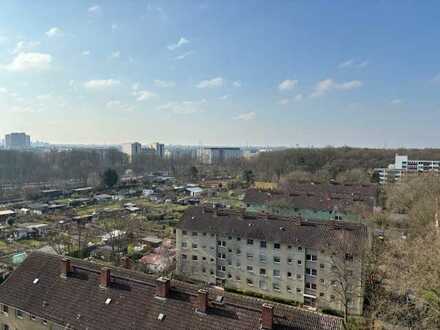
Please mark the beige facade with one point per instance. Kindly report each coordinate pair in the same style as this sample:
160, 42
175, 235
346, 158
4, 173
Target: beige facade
286, 271
12, 318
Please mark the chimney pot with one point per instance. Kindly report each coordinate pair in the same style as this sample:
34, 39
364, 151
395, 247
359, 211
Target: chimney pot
202, 301
163, 287
267, 317
105, 278
66, 267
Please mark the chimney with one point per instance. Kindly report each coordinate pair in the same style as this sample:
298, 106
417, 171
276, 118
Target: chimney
104, 279
66, 267
267, 317
162, 287
202, 301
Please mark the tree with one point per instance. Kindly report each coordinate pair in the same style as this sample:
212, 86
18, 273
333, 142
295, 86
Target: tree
193, 172
248, 177
110, 178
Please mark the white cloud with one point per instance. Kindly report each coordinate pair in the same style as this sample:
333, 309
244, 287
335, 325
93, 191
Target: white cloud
86, 52
224, 97
236, 83
94, 10
284, 101
182, 41
116, 54
143, 95
44, 97
184, 107
55, 32
246, 116
29, 62
3, 90
24, 46
164, 83
211, 83
115, 27
135, 86
352, 63
287, 85
113, 104
182, 56
396, 101
101, 84
327, 85
298, 97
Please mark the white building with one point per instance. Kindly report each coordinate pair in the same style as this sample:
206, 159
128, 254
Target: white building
17, 141
131, 149
213, 155
403, 166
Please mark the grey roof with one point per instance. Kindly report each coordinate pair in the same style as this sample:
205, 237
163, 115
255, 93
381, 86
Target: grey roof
295, 231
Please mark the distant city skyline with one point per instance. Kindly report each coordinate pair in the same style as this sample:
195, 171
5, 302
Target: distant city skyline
225, 73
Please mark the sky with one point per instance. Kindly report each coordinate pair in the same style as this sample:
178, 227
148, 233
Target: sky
248, 72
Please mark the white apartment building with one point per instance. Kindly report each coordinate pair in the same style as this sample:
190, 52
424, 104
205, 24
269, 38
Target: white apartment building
131, 149
403, 166
274, 257
214, 155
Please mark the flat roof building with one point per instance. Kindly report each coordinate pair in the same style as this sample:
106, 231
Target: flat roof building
17, 141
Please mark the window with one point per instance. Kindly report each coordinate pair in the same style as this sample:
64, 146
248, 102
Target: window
289, 260
211, 272
300, 248
289, 275
19, 314
332, 297
33, 317
299, 262
249, 282
289, 247
348, 257
44, 322
333, 282
298, 276
238, 252
263, 244
289, 289
276, 259
5, 309
249, 268
298, 290
194, 245
263, 271
238, 239
194, 233
204, 258
250, 242
230, 250
311, 257
311, 286
203, 270
263, 285
184, 244
204, 234
262, 258
221, 243
276, 273
230, 237
276, 246
184, 232
195, 258
311, 272
184, 256
238, 264
221, 255
237, 277
321, 266
322, 280
229, 276
5, 327
212, 260
321, 294
249, 255
276, 286
221, 268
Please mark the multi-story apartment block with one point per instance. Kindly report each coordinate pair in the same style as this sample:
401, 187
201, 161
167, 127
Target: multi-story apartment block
286, 258
159, 149
214, 155
403, 166
17, 141
131, 149
51, 292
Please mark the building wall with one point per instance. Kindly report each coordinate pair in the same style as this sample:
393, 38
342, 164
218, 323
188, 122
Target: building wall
26, 321
234, 263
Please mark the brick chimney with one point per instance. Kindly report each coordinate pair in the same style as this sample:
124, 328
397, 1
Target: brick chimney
267, 317
202, 301
163, 287
105, 278
66, 267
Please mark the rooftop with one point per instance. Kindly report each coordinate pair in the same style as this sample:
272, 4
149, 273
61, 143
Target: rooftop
287, 230
124, 299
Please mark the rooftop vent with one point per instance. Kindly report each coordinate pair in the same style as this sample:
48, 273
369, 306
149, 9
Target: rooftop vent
66, 267
267, 317
105, 278
219, 300
202, 301
108, 301
162, 287
36, 281
161, 316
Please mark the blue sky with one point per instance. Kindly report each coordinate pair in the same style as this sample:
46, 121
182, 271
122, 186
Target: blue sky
360, 73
